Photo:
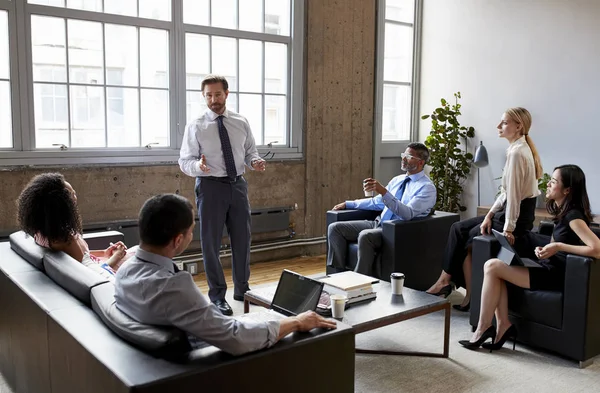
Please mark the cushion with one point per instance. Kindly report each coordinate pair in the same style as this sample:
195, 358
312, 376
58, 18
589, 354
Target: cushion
160, 340
71, 275
543, 307
26, 247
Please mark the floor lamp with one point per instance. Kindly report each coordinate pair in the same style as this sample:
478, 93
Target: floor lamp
480, 161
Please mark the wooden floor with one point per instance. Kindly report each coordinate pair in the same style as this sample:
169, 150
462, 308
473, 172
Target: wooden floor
267, 272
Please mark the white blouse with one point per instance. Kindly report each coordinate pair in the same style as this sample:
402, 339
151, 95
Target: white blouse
518, 182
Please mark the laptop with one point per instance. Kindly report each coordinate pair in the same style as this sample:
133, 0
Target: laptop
508, 254
294, 295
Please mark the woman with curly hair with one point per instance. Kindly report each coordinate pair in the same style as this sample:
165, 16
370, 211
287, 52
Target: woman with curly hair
47, 210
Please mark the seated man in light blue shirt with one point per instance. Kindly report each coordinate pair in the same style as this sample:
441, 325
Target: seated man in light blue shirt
405, 197
150, 289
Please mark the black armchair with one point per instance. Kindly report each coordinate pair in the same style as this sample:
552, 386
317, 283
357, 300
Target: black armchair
567, 322
414, 247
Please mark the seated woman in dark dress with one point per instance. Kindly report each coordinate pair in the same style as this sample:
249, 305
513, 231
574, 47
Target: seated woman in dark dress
568, 202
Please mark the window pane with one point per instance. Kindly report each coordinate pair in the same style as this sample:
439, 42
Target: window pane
251, 14
232, 102
85, 52
195, 12
56, 3
396, 113
400, 10
275, 68
121, 7
224, 59
5, 116
155, 117
398, 53
154, 57
155, 9
48, 49
4, 63
87, 116
196, 61
224, 13
275, 120
123, 117
195, 105
251, 71
89, 5
251, 108
277, 17
121, 55
50, 107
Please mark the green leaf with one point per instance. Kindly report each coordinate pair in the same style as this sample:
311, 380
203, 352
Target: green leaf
424, 117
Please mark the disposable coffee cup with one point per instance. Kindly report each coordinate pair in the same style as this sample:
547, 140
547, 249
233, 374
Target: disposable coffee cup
397, 281
338, 303
367, 193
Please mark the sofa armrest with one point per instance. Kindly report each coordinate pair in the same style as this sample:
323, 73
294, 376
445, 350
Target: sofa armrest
101, 240
546, 228
581, 309
350, 214
484, 248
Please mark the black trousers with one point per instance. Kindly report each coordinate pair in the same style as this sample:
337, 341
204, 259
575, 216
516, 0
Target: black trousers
463, 232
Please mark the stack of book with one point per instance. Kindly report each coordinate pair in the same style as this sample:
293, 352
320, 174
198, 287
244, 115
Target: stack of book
357, 287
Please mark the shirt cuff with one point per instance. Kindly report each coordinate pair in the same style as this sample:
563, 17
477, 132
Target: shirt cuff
350, 205
273, 328
510, 225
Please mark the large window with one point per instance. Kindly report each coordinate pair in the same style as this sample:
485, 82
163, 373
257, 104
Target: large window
396, 85
121, 78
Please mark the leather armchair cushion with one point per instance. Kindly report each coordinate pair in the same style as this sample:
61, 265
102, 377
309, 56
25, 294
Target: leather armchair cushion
25, 246
543, 307
158, 340
71, 275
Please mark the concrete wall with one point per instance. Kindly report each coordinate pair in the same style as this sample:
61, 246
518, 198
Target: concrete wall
338, 138
539, 54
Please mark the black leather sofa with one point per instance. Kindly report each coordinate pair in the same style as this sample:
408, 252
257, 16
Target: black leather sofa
568, 322
61, 332
414, 247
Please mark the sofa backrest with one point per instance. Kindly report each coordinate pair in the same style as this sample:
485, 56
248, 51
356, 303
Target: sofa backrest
26, 247
162, 341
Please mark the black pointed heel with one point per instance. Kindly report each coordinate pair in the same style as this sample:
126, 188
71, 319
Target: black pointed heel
445, 291
489, 333
458, 307
510, 333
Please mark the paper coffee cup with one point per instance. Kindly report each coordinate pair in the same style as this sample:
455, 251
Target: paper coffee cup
367, 193
397, 282
338, 303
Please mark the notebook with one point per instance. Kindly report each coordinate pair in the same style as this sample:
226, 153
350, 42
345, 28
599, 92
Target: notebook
508, 254
294, 295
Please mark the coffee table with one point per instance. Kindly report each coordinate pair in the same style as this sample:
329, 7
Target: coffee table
384, 310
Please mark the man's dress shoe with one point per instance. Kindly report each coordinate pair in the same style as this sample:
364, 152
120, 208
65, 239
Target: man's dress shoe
223, 306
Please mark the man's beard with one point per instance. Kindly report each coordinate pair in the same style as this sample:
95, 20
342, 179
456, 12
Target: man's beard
406, 167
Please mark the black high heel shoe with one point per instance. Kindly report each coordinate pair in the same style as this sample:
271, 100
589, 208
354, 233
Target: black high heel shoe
466, 307
489, 333
445, 291
510, 333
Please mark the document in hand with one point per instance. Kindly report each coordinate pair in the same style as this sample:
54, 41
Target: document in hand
348, 281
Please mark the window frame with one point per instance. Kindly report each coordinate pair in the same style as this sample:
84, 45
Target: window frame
392, 149
24, 152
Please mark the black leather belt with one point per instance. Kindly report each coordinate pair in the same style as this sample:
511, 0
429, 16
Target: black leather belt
224, 179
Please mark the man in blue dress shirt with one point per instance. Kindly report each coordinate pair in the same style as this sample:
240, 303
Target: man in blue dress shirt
405, 197
150, 289
216, 149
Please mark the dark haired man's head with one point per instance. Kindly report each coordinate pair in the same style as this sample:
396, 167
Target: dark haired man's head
414, 157
567, 190
166, 223
215, 90
48, 206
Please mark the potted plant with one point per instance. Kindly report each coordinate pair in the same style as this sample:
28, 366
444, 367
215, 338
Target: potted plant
542, 186
449, 160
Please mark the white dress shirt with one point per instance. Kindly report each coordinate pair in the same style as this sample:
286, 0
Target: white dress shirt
518, 182
149, 291
202, 137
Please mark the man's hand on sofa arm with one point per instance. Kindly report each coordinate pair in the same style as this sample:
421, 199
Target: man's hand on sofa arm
303, 323
340, 206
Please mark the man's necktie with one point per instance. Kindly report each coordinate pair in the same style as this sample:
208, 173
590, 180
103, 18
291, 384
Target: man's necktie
227, 151
387, 213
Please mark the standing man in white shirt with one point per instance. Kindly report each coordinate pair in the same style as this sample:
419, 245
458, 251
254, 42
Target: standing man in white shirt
216, 148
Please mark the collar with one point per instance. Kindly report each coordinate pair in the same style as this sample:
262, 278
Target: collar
416, 176
164, 262
517, 142
213, 116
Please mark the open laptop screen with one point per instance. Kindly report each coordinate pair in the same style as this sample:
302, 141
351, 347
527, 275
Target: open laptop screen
296, 294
